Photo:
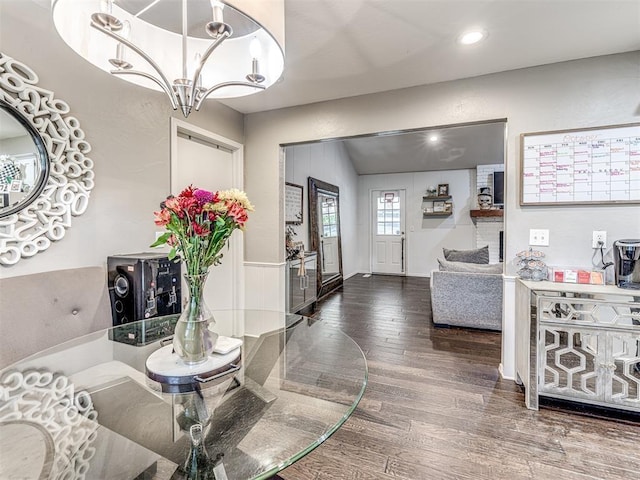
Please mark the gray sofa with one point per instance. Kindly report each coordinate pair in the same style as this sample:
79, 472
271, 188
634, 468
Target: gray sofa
467, 299
41, 310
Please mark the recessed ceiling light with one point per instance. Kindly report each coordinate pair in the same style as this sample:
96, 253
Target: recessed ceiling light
434, 138
471, 37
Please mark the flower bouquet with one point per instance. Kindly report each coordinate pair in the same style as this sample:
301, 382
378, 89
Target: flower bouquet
198, 224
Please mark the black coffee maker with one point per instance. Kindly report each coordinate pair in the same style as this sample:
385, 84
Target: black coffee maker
626, 256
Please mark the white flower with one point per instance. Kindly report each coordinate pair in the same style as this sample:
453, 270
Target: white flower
237, 196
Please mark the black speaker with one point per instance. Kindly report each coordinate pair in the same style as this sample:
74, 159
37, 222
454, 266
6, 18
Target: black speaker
143, 286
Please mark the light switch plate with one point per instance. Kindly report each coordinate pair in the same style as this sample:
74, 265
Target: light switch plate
539, 238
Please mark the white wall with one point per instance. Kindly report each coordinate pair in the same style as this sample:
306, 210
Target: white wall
583, 93
128, 129
330, 163
425, 236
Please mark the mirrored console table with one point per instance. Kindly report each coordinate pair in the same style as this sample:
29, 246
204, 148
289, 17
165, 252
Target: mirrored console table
302, 284
578, 343
86, 409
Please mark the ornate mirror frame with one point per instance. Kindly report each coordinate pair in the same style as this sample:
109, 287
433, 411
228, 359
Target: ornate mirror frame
317, 188
71, 179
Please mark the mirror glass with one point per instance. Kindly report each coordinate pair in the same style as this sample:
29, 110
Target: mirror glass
324, 216
24, 163
329, 227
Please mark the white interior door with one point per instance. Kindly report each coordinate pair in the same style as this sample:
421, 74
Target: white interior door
205, 163
388, 250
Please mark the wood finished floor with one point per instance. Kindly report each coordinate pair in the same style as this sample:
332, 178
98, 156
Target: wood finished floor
436, 407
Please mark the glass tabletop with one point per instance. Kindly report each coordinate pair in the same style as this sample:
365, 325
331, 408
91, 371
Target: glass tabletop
88, 409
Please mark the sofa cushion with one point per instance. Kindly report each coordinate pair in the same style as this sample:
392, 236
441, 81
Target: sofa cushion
464, 267
477, 255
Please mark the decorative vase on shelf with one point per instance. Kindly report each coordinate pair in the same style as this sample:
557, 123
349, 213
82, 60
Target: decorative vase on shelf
193, 339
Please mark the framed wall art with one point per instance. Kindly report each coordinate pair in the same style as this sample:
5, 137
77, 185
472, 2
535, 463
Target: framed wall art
293, 203
598, 165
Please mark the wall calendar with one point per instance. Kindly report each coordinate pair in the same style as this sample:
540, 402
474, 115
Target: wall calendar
582, 166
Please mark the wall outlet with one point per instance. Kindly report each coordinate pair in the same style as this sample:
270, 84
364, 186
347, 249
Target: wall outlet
538, 237
599, 239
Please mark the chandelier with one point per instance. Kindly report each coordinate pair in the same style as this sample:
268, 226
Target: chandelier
190, 49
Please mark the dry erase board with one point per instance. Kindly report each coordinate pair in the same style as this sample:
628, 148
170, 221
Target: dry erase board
292, 203
582, 166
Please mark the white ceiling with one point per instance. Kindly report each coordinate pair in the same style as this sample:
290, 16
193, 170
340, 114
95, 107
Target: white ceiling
342, 48
458, 147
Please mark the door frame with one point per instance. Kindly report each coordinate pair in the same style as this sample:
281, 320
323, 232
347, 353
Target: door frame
403, 212
177, 127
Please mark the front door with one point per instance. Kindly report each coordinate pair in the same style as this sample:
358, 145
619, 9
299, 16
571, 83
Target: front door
388, 242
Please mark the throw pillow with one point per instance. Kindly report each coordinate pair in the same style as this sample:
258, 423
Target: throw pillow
465, 267
478, 255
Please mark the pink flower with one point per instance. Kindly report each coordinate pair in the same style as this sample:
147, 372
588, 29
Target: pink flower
173, 204
163, 217
203, 196
172, 241
239, 214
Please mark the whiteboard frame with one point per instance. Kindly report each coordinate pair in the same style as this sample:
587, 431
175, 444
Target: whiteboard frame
293, 211
532, 135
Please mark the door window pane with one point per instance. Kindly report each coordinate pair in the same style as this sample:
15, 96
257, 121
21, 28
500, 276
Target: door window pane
388, 213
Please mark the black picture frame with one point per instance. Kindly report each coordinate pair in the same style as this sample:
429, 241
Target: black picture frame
443, 189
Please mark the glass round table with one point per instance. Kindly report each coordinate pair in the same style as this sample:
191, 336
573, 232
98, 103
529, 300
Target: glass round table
87, 408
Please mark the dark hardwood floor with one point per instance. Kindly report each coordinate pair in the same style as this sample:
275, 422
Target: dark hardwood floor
436, 408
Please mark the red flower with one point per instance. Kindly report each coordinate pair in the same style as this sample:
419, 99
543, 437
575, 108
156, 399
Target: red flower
187, 192
163, 217
200, 230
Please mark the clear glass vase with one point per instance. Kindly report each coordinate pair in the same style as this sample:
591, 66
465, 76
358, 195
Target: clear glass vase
193, 341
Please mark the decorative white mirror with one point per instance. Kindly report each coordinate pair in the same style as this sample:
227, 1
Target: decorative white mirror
45, 175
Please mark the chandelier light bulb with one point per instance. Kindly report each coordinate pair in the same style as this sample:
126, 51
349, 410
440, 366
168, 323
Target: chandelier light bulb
119, 62
197, 58
106, 6
218, 7
126, 29
255, 48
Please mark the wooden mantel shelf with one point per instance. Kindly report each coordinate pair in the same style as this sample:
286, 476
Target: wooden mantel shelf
487, 213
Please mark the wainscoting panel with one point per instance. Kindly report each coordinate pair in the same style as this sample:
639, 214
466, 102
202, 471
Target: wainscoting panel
265, 286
